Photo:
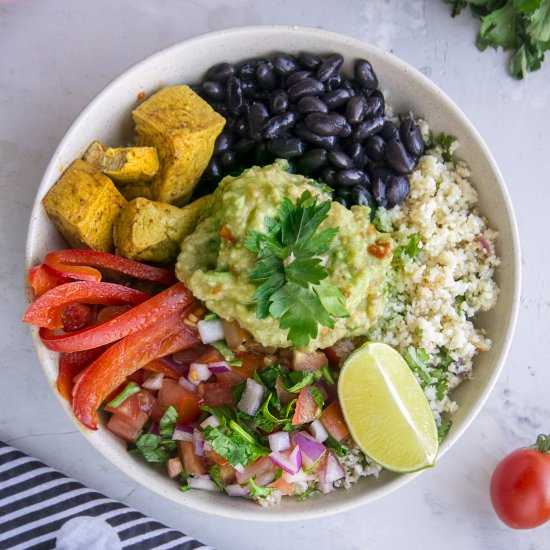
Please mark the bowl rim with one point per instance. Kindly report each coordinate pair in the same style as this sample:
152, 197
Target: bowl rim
259, 513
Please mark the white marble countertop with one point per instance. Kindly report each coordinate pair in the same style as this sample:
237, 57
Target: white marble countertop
54, 57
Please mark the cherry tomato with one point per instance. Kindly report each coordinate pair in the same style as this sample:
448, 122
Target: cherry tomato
520, 486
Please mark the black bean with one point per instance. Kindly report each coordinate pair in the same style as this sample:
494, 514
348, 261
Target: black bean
285, 147
250, 89
340, 160
348, 85
234, 95
212, 171
309, 60
223, 143
303, 132
378, 188
355, 109
266, 77
261, 155
276, 126
382, 172
278, 102
312, 161
349, 178
306, 87
397, 189
221, 72
410, 135
220, 108
214, 90
357, 155
389, 130
310, 104
296, 77
397, 158
328, 175
244, 147
374, 147
227, 159
360, 195
241, 127
364, 75
247, 69
255, 119
285, 64
328, 124
336, 98
333, 82
375, 105
330, 66
368, 128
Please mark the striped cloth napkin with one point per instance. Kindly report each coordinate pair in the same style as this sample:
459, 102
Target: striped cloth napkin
40, 508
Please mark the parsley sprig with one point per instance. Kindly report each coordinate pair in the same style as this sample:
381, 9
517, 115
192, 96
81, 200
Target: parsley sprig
293, 286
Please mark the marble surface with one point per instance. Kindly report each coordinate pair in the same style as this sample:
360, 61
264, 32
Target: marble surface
56, 55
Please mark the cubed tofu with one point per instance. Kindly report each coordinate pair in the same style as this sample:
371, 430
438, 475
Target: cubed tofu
183, 128
152, 231
84, 204
131, 191
124, 164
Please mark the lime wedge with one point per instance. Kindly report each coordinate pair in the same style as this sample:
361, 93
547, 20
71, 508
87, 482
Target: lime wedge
386, 410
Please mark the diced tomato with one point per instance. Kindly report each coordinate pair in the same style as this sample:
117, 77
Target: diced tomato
231, 378
259, 468
134, 407
110, 312
185, 402
191, 355
306, 408
157, 412
76, 316
333, 420
192, 463
138, 377
303, 361
339, 352
283, 486
211, 355
161, 366
215, 458
215, 394
124, 428
251, 362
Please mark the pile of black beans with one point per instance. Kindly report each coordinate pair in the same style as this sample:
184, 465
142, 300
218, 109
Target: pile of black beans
330, 127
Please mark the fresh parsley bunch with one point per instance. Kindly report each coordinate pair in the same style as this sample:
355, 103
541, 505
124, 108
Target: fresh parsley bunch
293, 285
519, 25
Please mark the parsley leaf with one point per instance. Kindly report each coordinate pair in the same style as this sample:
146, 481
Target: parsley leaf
231, 445
257, 491
168, 422
228, 354
291, 274
335, 446
152, 449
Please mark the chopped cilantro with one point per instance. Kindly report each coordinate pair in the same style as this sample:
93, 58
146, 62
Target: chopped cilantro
318, 397
446, 142
291, 275
412, 247
335, 446
210, 316
129, 390
268, 375
298, 380
443, 428
308, 492
152, 449
214, 472
168, 422
183, 477
417, 359
228, 355
257, 491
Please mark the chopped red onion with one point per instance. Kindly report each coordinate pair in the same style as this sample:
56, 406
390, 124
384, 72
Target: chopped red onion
207, 446
183, 433
252, 397
333, 470
211, 331
279, 441
202, 483
324, 487
236, 490
239, 468
198, 442
154, 382
198, 372
169, 360
290, 463
485, 246
298, 477
211, 421
312, 451
184, 383
318, 431
219, 366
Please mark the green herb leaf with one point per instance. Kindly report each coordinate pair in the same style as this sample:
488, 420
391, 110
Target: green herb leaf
298, 380
412, 248
210, 316
335, 446
232, 446
129, 390
443, 428
152, 449
227, 353
318, 397
308, 492
257, 491
418, 359
214, 472
168, 422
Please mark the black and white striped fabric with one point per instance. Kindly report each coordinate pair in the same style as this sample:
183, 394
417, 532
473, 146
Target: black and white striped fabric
40, 508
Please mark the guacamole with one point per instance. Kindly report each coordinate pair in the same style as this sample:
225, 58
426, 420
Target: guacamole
215, 264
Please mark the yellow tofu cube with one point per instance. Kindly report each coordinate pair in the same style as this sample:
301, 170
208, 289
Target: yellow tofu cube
183, 128
152, 231
84, 204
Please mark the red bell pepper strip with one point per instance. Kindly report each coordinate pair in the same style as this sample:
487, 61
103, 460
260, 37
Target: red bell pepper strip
173, 299
167, 335
42, 279
71, 364
47, 310
80, 264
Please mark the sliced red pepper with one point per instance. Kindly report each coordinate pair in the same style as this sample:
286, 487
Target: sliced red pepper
47, 310
163, 337
174, 298
71, 364
42, 279
80, 264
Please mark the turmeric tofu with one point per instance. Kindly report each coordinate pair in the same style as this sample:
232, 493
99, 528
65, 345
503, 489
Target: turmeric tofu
124, 164
84, 204
152, 231
183, 128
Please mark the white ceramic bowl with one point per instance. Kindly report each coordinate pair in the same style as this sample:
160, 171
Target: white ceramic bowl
108, 119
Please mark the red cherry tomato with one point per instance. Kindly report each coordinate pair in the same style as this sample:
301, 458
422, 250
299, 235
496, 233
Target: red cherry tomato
520, 486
